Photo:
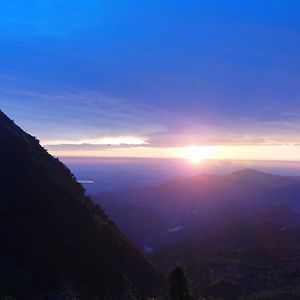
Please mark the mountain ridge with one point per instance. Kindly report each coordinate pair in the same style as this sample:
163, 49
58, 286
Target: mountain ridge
52, 230
196, 200
246, 173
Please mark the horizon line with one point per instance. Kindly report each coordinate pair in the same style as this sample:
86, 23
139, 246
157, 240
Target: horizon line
171, 158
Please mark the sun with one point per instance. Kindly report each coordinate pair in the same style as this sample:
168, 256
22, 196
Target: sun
196, 154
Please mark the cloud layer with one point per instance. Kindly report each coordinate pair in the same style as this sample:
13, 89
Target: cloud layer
97, 76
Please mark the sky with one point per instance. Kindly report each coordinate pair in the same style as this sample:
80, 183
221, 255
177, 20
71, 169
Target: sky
150, 78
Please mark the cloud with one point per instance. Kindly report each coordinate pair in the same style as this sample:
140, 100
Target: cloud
79, 115
86, 181
104, 141
90, 121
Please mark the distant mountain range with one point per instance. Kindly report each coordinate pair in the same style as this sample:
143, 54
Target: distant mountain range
54, 239
230, 229
200, 203
185, 195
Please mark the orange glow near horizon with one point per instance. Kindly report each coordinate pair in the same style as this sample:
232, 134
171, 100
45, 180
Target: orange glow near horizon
193, 154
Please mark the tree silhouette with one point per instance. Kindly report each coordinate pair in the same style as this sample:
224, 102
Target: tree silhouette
178, 285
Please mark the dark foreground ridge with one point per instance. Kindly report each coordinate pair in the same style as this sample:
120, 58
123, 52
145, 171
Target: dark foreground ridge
53, 238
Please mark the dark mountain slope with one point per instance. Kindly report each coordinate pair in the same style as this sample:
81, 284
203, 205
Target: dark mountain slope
236, 234
204, 203
51, 232
149, 221
187, 197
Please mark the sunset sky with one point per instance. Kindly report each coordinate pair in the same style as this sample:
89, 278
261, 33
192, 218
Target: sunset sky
151, 78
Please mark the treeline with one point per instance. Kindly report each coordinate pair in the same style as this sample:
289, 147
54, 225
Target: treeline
177, 287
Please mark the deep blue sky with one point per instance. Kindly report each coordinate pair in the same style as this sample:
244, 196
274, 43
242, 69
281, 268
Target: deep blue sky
170, 72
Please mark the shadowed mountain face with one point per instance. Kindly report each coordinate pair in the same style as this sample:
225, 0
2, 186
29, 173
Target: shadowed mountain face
193, 208
183, 196
51, 233
236, 234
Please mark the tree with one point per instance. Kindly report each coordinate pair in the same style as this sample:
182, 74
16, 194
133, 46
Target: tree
178, 285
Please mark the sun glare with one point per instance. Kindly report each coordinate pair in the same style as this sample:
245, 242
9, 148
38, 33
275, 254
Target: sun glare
196, 154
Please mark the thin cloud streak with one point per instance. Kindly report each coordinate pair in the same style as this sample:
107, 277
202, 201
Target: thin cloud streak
108, 141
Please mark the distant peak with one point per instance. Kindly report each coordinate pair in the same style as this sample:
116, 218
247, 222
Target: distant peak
248, 172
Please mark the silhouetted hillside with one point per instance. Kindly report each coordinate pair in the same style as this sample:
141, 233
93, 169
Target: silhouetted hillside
52, 235
141, 224
236, 234
198, 202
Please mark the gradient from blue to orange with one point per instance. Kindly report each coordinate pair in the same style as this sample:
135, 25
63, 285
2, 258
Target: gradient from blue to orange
165, 74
